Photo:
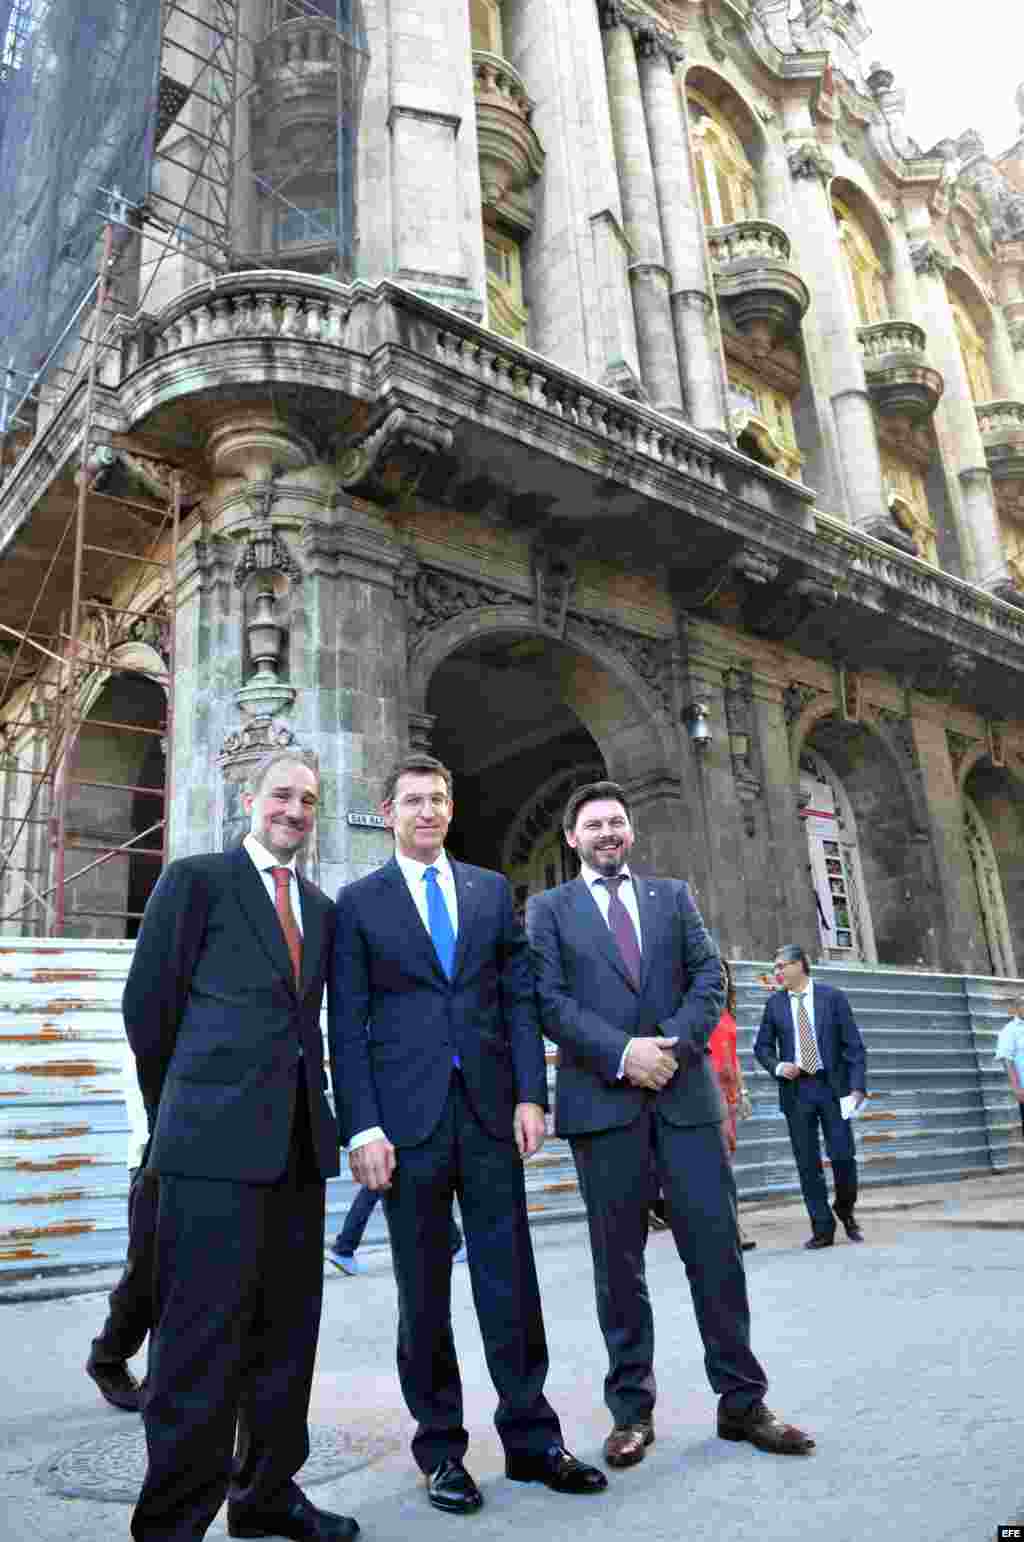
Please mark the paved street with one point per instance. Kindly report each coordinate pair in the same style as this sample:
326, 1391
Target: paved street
902, 1356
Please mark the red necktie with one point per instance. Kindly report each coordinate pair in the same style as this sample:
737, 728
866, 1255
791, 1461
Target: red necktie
620, 923
285, 914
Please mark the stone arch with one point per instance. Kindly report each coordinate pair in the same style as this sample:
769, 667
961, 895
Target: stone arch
734, 107
968, 288
997, 794
844, 913
863, 212
895, 851
993, 914
515, 620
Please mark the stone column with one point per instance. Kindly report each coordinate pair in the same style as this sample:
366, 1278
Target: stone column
984, 561
785, 909
1010, 282
833, 322
1005, 372
648, 276
962, 948
693, 318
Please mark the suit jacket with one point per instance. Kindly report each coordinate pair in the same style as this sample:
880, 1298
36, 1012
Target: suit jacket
839, 1040
217, 1024
397, 1019
590, 1008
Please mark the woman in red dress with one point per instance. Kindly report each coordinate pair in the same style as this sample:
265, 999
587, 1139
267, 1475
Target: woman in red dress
722, 1045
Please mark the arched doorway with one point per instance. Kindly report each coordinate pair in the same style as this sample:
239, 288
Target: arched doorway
994, 831
116, 794
887, 888
521, 718
833, 851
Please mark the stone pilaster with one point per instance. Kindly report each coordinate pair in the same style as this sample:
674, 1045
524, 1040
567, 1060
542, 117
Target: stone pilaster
962, 946
832, 324
784, 908
648, 275
980, 536
693, 316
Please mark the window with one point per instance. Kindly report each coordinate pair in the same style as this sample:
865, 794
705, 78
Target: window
908, 504
863, 267
763, 416
973, 351
725, 178
297, 225
1013, 545
505, 305
485, 26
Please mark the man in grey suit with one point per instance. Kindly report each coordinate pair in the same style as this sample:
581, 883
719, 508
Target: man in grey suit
629, 987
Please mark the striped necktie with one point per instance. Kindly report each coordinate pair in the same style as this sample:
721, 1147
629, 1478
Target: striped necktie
810, 1060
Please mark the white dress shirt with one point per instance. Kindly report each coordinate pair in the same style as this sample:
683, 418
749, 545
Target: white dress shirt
264, 861
415, 875
794, 1007
602, 897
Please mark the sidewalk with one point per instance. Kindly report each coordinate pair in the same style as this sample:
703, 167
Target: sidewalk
902, 1356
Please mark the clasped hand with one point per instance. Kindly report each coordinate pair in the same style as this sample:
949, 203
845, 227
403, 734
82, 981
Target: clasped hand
651, 1063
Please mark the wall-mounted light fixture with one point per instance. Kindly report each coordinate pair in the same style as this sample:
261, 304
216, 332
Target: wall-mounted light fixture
695, 716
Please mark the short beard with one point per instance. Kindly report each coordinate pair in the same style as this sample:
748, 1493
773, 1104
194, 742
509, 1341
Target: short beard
608, 863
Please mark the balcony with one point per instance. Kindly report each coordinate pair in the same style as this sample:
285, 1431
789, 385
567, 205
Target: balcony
900, 381
1002, 433
510, 154
763, 294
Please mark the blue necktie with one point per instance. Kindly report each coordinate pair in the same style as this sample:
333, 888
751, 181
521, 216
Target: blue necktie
442, 933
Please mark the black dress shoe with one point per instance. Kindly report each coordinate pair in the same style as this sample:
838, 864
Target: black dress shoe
116, 1383
450, 1488
556, 1467
299, 1520
853, 1231
821, 1239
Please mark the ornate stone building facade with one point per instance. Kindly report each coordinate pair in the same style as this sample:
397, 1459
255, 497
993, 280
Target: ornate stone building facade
669, 425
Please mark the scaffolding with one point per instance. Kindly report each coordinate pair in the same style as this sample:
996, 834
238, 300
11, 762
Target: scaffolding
161, 165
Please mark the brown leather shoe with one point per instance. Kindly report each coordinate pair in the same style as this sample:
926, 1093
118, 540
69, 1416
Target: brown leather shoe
763, 1429
626, 1444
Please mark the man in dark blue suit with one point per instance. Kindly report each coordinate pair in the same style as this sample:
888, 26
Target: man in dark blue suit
439, 1067
630, 988
809, 1040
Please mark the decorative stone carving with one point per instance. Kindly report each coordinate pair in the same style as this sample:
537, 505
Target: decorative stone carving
650, 657
795, 698
713, 34
421, 730
388, 462
257, 738
850, 698
995, 730
554, 576
433, 597
928, 260
739, 697
808, 160
755, 566
960, 746
265, 552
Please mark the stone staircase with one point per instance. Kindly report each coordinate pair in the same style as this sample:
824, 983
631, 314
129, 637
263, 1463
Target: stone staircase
939, 1106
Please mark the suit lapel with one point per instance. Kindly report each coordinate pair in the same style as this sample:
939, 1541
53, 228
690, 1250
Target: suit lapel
647, 908
468, 894
594, 922
258, 907
313, 927
410, 920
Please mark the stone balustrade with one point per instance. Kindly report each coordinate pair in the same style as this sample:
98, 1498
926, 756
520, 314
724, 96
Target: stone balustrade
900, 381
888, 337
1000, 417
747, 239
305, 40
495, 79
300, 308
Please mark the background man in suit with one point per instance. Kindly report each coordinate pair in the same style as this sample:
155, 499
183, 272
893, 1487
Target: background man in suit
809, 1040
439, 1066
222, 1010
630, 987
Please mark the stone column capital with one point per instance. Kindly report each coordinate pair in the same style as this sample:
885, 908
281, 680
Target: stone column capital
808, 162
611, 14
655, 47
928, 260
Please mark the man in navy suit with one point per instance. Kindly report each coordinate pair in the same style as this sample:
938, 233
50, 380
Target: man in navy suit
439, 1066
809, 1040
222, 1010
630, 987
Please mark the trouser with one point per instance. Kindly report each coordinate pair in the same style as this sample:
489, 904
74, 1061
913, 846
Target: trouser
460, 1157
359, 1213
700, 1204
810, 1103
131, 1301
239, 1280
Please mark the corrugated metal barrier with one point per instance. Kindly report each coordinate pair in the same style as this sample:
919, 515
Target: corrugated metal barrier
939, 1104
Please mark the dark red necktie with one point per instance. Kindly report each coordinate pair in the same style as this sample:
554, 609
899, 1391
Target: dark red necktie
283, 905
620, 923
